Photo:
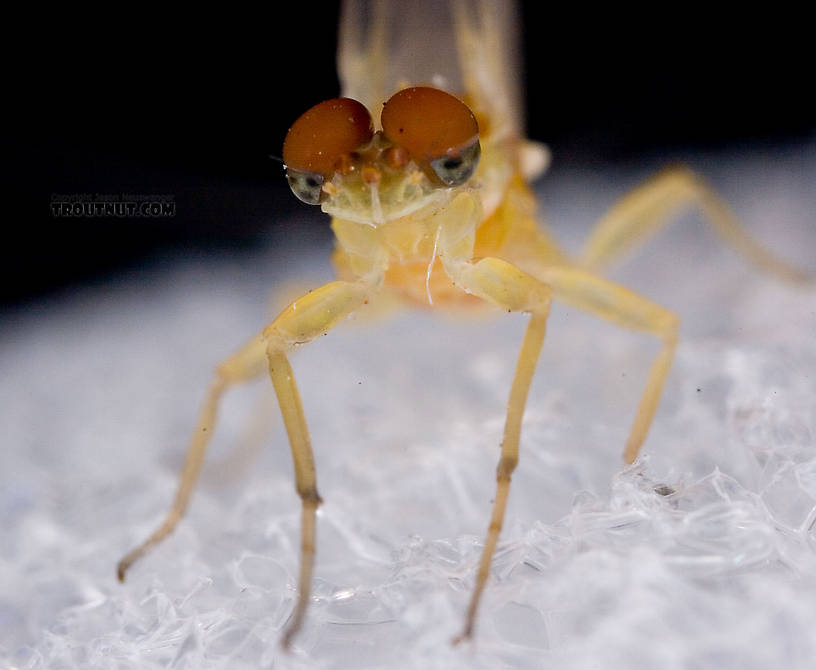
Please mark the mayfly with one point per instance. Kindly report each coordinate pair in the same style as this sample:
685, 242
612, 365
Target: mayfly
423, 168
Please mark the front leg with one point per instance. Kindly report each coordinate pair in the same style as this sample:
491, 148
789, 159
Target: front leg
513, 290
305, 319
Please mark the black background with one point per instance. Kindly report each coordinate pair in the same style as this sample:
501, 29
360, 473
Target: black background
142, 101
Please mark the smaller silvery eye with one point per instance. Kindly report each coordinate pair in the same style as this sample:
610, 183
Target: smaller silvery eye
456, 170
307, 186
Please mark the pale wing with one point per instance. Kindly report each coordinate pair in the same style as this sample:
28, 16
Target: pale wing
468, 47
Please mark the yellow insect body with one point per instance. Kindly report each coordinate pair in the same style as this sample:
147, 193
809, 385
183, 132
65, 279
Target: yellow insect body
460, 246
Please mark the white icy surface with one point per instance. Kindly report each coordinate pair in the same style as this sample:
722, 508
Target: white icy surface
595, 568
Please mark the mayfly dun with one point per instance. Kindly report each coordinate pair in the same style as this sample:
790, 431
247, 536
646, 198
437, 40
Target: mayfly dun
423, 168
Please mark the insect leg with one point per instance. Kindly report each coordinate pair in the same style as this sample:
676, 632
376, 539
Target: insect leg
305, 319
619, 305
647, 208
512, 289
244, 365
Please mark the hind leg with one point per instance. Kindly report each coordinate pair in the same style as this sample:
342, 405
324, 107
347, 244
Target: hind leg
649, 207
246, 364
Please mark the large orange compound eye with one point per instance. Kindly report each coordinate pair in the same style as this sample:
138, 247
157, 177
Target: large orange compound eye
319, 139
437, 129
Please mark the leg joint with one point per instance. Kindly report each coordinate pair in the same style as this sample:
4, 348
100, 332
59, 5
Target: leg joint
275, 343
670, 327
506, 466
309, 495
